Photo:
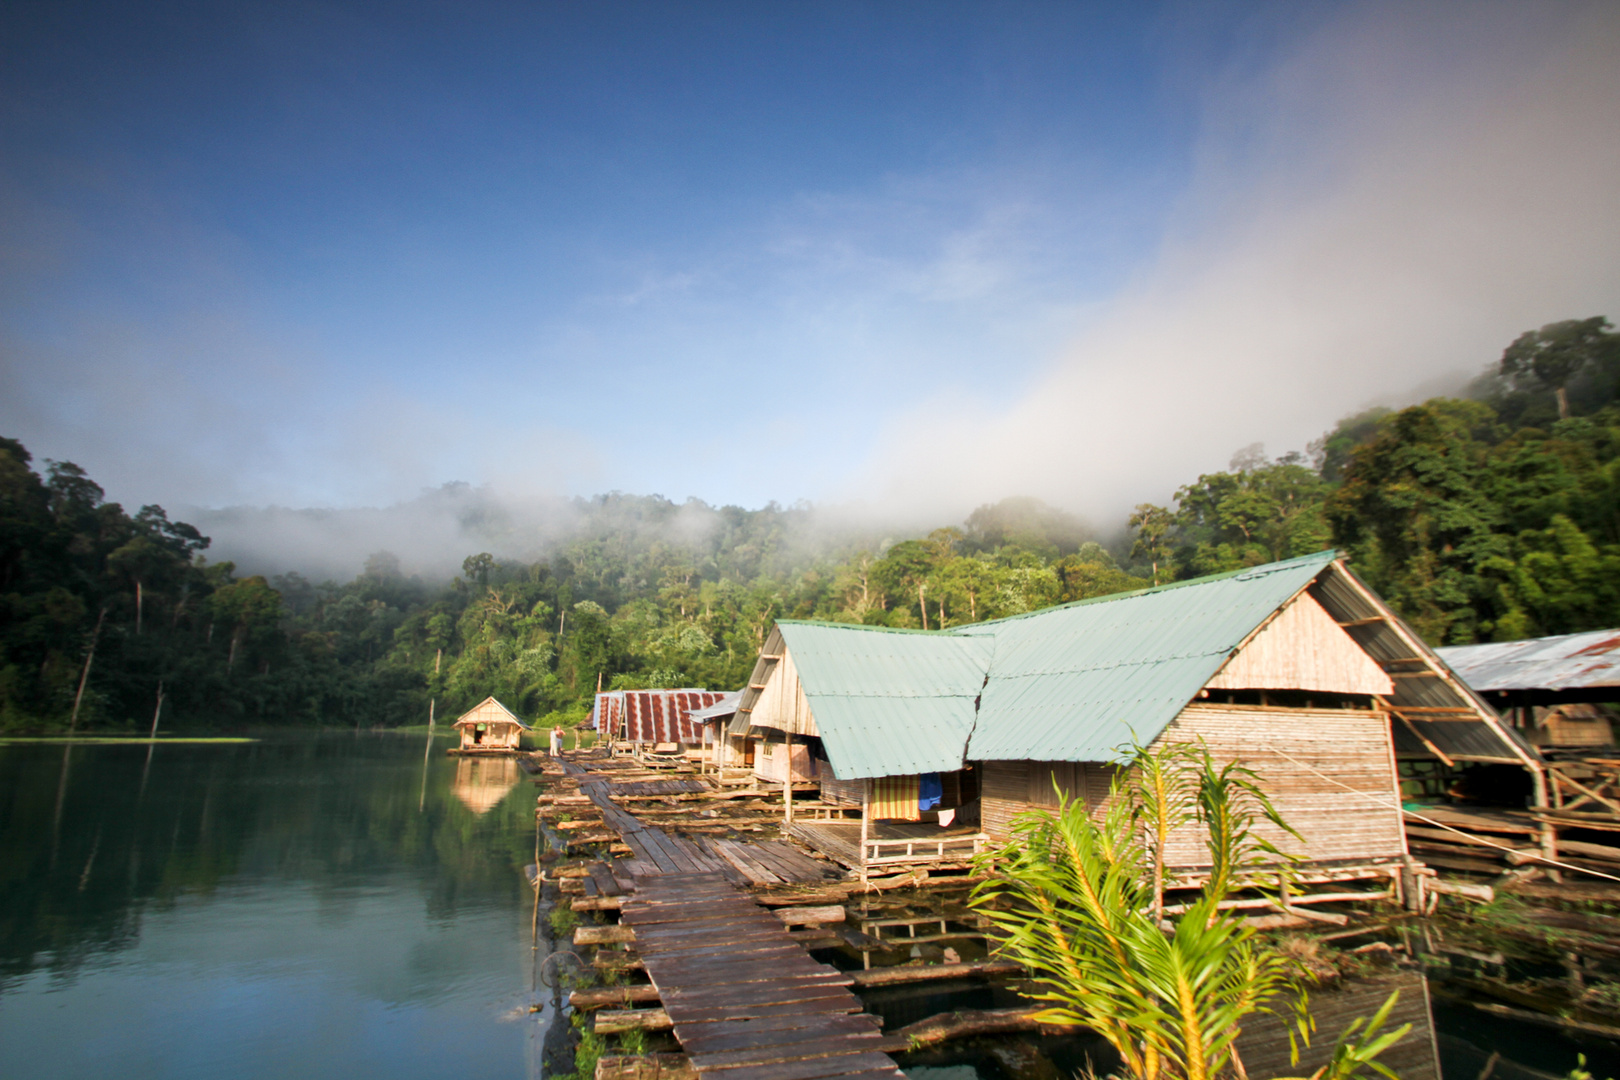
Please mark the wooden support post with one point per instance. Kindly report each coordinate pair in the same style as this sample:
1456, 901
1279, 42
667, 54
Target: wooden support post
866, 803
787, 784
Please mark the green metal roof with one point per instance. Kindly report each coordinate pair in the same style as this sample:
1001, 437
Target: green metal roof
1074, 683
1070, 683
888, 702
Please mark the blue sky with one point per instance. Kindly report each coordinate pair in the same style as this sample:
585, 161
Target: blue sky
911, 255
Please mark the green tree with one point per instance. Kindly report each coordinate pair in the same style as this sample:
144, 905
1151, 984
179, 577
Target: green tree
1549, 359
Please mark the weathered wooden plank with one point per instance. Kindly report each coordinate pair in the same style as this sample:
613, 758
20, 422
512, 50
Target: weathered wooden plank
763, 950
711, 1013
731, 1035
815, 1068
753, 993
808, 981
856, 1041
679, 970
609, 1021
733, 854
603, 996
925, 972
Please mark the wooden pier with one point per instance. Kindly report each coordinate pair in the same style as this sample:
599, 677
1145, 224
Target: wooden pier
743, 996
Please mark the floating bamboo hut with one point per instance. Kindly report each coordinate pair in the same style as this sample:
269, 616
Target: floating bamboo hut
927, 744
489, 728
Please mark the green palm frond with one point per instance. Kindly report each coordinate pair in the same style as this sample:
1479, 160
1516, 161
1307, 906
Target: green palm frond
1078, 900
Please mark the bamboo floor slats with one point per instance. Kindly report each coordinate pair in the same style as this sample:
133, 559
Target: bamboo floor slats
746, 1001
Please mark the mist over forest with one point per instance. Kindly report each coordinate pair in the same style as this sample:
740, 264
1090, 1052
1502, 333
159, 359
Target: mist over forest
1494, 515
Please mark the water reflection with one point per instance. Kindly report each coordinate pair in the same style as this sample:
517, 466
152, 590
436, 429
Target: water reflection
481, 783
293, 907
1266, 1050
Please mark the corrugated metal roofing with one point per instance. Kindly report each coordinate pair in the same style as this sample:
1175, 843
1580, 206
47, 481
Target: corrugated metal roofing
651, 715
1074, 683
1565, 662
888, 702
721, 708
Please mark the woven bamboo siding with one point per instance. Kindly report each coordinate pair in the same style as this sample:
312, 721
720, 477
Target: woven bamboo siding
782, 704
1011, 787
1303, 649
1004, 796
1350, 749
842, 792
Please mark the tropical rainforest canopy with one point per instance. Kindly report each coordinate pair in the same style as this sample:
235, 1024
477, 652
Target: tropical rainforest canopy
1488, 517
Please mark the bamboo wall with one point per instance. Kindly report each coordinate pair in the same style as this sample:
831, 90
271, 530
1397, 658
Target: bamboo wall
843, 792
497, 733
1330, 748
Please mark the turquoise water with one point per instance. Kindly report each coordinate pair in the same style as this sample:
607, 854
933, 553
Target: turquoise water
302, 906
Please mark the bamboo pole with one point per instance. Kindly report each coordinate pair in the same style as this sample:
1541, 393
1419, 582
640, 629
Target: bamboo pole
866, 803
787, 783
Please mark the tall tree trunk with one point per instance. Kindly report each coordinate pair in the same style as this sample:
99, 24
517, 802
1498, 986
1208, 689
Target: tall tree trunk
922, 603
138, 597
157, 710
230, 661
84, 676
1563, 403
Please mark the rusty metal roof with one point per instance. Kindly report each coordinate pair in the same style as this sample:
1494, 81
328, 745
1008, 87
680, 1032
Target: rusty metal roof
1565, 662
725, 706
652, 715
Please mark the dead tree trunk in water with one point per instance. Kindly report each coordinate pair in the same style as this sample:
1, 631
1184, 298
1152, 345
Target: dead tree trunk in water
84, 676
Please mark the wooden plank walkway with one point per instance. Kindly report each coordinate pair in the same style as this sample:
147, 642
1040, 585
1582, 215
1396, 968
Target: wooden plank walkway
652, 845
764, 863
659, 787
747, 1002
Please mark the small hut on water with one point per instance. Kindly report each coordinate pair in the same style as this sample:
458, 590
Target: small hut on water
489, 728
928, 743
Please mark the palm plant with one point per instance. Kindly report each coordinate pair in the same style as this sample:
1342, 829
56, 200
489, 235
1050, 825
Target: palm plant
1079, 901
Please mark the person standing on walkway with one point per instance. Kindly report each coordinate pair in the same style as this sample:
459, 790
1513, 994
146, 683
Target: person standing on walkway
556, 741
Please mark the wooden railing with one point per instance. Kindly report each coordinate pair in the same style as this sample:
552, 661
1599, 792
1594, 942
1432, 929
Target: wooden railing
922, 849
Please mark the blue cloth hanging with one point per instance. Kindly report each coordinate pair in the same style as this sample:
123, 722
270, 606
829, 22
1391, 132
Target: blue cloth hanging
930, 791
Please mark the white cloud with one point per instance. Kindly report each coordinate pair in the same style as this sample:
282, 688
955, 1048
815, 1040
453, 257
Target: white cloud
1400, 197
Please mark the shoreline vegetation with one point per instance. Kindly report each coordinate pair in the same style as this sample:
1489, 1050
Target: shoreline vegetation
1490, 516
123, 740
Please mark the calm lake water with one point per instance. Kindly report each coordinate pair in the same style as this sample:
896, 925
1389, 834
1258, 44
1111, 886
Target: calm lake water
327, 906
303, 906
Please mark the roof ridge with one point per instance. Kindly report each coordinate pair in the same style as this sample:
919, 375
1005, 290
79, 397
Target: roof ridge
968, 629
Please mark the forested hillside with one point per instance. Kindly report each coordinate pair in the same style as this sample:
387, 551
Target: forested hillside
1489, 517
